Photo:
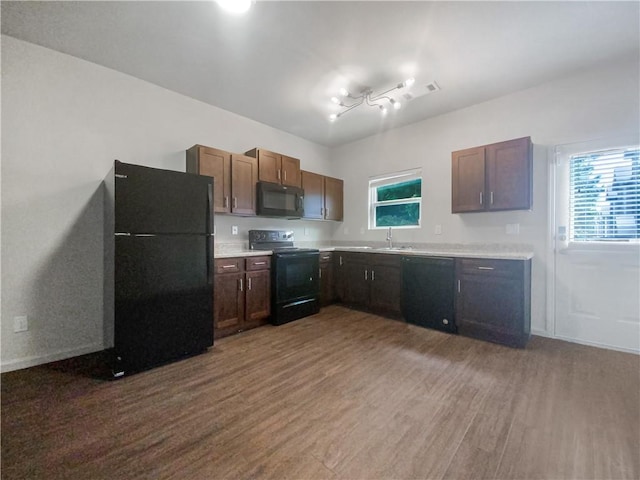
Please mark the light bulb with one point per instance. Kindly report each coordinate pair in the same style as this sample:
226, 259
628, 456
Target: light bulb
335, 100
332, 117
234, 6
395, 104
344, 92
409, 81
383, 110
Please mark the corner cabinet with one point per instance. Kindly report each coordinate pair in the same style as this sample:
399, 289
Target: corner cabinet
234, 176
493, 300
492, 177
323, 196
276, 168
242, 290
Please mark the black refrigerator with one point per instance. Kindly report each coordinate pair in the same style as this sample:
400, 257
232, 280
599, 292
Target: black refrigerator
158, 266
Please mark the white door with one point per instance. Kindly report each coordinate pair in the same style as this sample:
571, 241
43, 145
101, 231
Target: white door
597, 250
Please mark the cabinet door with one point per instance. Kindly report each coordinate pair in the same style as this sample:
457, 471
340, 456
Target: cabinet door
333, 198
338, 277
269, 166
313, 185
228, 303
467, 180
356, 284
213, 163
258, 296
491, 300
508, 173
386, 281
290, 171
244, 172
326, 279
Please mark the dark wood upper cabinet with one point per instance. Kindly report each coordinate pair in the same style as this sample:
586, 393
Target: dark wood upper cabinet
492, 177
333, 198
244, 176
217, 164
323, 196
234, 178
313, 186
276, 168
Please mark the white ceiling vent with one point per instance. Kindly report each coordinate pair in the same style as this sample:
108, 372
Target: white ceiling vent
416, 92
432, 87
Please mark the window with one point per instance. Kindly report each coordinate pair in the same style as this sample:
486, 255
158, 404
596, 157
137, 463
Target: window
604, 195
395, 200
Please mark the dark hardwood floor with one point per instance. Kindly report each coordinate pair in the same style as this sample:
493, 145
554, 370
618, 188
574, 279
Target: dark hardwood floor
342, 395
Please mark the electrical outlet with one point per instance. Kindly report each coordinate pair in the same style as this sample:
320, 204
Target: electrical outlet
306, 231
20, 324
234, 230
438, 230
512, 229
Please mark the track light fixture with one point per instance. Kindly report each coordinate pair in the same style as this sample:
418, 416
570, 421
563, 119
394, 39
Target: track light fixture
367, 97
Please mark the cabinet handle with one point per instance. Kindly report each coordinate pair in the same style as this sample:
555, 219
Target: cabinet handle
229, 266
373, 275
491, 198
249, 283
319, 273
485, 268
260, 263
340, 260
241, 286
235, 202
481, 198
458, 286
279, 175
321, 211
366, 273
285, 175
326, 212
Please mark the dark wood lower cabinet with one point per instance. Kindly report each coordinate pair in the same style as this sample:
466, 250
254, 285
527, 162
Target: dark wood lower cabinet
327, 291
242, 289
373, 282
493, 300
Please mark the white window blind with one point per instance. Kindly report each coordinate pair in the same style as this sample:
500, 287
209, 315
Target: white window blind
604, 195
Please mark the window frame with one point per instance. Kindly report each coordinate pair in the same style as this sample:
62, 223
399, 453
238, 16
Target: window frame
391, 179
561, 217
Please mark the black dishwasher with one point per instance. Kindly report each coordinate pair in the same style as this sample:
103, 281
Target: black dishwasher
428, 292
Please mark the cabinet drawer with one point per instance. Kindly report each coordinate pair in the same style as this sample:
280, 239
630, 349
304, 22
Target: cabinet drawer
390, 259
229, 265
326, 257
258, 263
479, 266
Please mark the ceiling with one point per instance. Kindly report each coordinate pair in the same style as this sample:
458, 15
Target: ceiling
281, 62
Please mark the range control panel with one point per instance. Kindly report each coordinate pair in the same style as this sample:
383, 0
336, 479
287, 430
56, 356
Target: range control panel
269, 237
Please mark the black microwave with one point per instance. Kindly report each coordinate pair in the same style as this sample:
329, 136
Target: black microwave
275, 200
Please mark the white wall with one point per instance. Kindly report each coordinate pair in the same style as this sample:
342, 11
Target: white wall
64, 121
588, 105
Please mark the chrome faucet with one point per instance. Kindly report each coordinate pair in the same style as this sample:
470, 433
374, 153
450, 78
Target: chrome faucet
390, 238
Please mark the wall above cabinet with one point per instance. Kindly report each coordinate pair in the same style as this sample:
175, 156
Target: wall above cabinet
492, 177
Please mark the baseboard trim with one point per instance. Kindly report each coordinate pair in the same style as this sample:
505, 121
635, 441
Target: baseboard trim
541, 333
27, 362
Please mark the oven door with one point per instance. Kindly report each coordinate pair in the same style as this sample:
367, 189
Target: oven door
296, 275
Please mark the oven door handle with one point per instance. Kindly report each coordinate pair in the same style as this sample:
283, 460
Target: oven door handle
298, 254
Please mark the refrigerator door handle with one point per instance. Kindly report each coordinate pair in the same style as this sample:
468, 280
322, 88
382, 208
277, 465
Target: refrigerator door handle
209, 259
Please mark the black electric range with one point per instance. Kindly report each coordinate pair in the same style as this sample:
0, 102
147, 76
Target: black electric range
295, 283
